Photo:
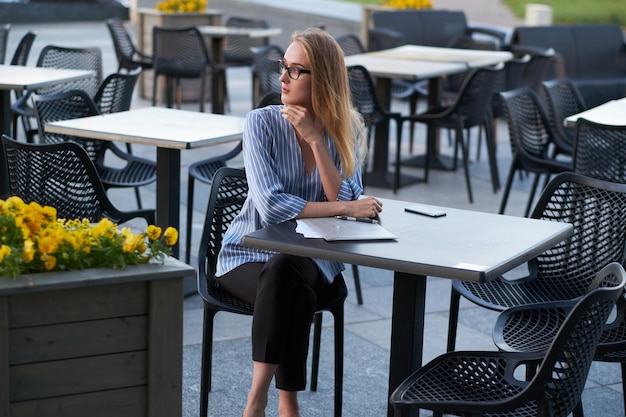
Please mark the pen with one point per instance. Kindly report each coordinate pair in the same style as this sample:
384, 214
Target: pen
357, 219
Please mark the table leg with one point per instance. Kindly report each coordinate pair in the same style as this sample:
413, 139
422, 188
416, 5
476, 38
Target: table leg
407, 329
5, 128
218, 82
435, 158
168, 200
168, 190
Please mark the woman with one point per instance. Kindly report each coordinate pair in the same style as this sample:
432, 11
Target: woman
302, 160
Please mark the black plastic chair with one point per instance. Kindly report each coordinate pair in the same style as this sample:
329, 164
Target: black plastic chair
563, 99
73, 104
62, 176
531, 328
237, 48
20, 57
469, 109
366, 102
599, 151
533, 142
485, 383
229, 190
52, 56
115, 95
595, 208
181, 53
129, 58
265, 71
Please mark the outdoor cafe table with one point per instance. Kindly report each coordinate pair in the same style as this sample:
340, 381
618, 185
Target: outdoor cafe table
610, 113
464, 245
415, 63
14, 77
171, 131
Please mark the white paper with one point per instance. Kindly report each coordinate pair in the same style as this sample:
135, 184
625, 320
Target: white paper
331, 228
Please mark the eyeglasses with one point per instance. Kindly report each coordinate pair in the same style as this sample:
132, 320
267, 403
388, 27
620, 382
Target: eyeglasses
293, 72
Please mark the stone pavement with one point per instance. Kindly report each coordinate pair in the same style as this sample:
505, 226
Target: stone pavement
367, 327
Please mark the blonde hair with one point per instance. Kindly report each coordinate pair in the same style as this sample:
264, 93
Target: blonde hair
330, 95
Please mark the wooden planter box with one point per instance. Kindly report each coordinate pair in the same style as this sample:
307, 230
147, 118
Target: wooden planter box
148, 19
99, 342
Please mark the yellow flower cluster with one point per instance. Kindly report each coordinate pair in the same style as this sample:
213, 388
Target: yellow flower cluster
32, 239
408, 4
181, 6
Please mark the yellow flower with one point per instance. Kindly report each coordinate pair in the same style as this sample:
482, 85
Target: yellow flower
29, 250
181, 6
408, 4
49, 262
171, 236
32, 239
4, 251
154, 232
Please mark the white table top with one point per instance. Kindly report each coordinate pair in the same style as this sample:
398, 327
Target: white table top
228, 30
466, 245
610, 113
14, 77
156, 126
420, 62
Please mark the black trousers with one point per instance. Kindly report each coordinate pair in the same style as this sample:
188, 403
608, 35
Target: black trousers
284, 292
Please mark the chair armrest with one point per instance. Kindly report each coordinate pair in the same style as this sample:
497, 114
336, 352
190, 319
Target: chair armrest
501, 34
382, 38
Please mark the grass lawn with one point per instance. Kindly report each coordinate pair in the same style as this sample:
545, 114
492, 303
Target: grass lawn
565, 11
578, 11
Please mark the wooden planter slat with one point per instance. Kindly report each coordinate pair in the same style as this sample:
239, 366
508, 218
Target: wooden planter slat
79, 339
128, 402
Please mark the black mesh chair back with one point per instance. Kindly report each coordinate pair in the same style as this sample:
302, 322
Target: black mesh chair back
366, 102
179, 53
538, 68
229, 191
22, 51
133, 172
128, 57
563, 99
533, 327
350, 44
595, 208
453, 82
52, 56
599, 151
4, 41
265, 72
116, 92
484, 383
508, 79
238, 48
62, 176
532, 141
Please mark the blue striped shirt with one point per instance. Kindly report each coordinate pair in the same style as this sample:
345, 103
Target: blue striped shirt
279, 187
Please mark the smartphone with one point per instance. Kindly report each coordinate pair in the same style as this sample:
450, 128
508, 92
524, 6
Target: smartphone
425, 211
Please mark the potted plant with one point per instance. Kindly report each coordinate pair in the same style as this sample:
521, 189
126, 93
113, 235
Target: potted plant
90, 317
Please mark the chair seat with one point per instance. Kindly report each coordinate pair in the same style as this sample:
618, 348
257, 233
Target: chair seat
137, 172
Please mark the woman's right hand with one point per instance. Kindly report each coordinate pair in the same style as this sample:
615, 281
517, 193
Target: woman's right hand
364, 207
